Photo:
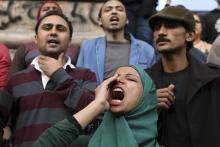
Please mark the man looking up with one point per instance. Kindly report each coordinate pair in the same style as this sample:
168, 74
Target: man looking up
187, 90
49, 90
105, 54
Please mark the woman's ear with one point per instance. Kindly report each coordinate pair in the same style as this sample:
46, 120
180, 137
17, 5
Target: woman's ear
190, 36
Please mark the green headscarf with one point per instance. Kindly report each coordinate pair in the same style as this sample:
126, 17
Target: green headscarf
137, 128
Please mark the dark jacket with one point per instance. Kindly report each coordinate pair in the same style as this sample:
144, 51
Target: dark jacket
203, 110
147, 7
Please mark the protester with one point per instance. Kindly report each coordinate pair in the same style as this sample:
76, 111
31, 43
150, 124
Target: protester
213, 59
212, 24
198, 42
187, 90
50, 89
138, 12
105, 54
5, 62
27, 52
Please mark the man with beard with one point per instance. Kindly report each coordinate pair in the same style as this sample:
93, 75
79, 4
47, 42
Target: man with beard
49, 90
105, 54
187, 90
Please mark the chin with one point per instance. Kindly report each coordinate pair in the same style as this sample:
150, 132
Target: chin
115, 29
167, 50
54, 55
117, 111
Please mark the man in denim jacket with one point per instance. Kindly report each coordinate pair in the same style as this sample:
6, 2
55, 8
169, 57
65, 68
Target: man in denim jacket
117, 48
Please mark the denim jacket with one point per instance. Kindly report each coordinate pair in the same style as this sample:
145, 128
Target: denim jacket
92, 55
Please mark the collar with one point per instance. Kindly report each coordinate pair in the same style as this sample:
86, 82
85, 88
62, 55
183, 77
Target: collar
44, 77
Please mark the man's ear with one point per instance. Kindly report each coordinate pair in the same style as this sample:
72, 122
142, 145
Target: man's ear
100, 22
127, 21
190, 36
35, 39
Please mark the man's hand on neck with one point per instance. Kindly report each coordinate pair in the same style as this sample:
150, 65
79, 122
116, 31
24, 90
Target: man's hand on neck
49, 65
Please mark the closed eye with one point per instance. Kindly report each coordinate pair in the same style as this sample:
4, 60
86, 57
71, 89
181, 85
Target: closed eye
131, 78
47, 27
61, 28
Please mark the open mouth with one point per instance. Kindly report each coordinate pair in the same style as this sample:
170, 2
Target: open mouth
53, 42
117, 94
114, 19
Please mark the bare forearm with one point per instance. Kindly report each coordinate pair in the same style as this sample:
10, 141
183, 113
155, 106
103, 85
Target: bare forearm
85, 116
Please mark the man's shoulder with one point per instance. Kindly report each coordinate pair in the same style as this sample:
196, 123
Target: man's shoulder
30, 70
141, 43
212, 13
80, 71
24, 76
92, 40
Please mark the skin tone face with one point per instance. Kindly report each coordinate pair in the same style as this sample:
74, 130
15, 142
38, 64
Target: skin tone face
170, 36
49, 6
53, 36
128, 81
113, 16
198, 26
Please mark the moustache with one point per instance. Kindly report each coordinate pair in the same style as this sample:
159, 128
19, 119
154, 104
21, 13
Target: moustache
161, 39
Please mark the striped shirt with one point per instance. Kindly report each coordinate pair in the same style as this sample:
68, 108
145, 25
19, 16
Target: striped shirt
33, 108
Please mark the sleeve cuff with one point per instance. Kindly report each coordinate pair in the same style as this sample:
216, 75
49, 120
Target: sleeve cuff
75, 122
60, 76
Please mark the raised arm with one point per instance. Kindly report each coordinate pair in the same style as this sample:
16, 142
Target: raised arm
65, 132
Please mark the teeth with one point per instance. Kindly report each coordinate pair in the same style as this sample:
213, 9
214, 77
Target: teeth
114, 19
117, 94
117, 89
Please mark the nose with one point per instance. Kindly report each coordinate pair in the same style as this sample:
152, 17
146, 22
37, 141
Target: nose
162, 30
114, 11
53, 31
120, 78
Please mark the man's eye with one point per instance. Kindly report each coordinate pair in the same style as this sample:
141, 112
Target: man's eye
120, 9
157, 27
45, 9
46, 27
61, 28
107, 9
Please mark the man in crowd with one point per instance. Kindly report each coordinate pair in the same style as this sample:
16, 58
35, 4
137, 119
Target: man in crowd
187, 90
212, 24
105, 54
5, 62
51, 89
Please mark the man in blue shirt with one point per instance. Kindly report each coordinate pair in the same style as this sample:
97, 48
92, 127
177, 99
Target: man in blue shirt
104, 54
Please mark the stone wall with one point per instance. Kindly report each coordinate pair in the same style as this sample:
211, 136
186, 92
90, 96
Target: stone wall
18, 19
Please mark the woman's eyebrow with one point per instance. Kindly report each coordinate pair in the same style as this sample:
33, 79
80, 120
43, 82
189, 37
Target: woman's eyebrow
132, 75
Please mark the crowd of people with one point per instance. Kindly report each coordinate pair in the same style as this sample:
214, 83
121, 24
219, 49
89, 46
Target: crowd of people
131, 88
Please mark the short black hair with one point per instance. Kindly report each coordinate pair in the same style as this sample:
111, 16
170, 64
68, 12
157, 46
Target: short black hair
100, 10
57, 13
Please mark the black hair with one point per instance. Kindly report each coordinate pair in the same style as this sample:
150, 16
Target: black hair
100, 10
57, 13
